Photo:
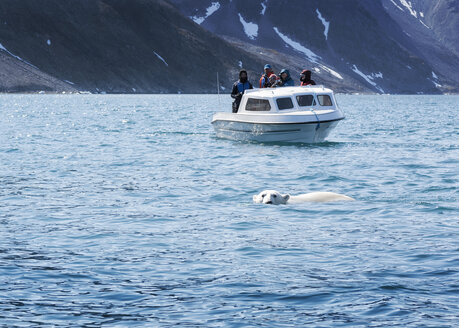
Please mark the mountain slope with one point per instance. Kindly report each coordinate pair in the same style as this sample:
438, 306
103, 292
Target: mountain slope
19, 76
118, 45
153, 46
364, 40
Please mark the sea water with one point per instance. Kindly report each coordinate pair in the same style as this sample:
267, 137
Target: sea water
127, 211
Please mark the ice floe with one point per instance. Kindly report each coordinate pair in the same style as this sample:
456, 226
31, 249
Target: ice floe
369, 78
326, 24
209, 11
161, 58
250, 29
298, 47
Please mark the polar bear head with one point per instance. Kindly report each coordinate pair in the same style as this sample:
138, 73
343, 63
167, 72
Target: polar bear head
270, 197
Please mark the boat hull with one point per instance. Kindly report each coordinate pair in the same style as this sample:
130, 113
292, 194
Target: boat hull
301, 132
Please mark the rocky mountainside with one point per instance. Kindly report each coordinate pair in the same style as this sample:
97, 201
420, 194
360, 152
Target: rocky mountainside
111, 46
16, 75
387, 46
173, 46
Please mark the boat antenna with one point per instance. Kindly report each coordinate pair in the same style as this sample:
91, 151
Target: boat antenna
218, 89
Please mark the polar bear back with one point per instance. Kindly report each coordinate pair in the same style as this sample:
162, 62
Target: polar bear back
321, 196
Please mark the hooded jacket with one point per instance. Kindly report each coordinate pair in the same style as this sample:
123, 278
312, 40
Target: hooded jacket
306, 80
288, 82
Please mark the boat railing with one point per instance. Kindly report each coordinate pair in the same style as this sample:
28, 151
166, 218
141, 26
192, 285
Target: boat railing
320, 86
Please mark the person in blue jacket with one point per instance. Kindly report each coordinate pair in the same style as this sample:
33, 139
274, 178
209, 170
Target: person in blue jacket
239, 88
285, 79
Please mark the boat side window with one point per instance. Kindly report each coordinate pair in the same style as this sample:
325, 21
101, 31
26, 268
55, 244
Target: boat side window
305, 100
257, 105
284, 103
324, 100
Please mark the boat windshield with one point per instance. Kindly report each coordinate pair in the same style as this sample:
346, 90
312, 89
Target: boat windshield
305, 100
284, 103
257, 105
324, 100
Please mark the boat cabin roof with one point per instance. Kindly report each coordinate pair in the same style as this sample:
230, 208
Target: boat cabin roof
287, 91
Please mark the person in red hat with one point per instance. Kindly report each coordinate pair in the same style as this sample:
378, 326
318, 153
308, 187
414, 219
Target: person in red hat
305, 78
273, 79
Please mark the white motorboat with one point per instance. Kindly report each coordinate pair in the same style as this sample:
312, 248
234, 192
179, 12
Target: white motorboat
288, 114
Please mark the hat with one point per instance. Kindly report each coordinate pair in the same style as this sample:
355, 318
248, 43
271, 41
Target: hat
267, 66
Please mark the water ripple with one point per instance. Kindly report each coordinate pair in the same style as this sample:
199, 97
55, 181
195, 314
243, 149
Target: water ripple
122, 210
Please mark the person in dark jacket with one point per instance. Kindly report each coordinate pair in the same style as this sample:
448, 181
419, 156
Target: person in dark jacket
264, 80
305, 78
285, 79
239, 88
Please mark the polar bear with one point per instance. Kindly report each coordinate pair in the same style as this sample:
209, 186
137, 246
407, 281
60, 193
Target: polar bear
276, 198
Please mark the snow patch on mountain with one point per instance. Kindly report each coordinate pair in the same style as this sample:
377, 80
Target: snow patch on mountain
48, 42
329, 70
263, 6
424, 24
326, 24
161, 58
240, 64
408, 5
396, 5
435, 80
209, 11
17, 57
369, 78
298, 47
250, 29
437, 85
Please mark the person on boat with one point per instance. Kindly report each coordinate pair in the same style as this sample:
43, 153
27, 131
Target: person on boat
239, 88
285, 79
305, 78
273, 79
264, 80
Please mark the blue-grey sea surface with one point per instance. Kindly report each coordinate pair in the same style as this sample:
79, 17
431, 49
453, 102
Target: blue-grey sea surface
127, 211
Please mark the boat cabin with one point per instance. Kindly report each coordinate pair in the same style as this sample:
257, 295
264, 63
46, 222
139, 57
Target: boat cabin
287, 99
